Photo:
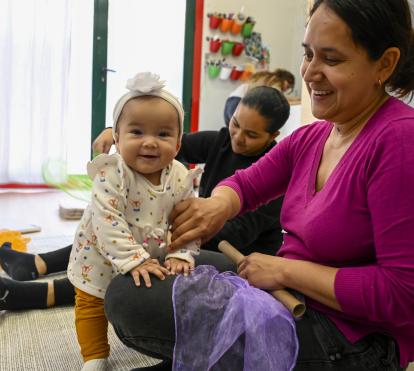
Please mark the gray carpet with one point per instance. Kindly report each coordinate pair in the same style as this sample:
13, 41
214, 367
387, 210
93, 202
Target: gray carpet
43, 340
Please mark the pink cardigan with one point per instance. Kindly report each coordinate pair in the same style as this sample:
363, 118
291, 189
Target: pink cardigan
362, 220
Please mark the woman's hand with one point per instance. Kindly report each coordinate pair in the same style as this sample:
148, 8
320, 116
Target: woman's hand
263, 271
273, 273
103, 142
198, 218
178, 266
150, 266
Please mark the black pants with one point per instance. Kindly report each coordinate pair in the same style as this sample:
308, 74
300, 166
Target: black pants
144, 320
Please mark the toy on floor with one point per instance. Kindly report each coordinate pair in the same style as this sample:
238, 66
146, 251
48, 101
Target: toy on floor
18, 242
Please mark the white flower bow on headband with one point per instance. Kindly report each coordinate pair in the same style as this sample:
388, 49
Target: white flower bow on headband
145, 83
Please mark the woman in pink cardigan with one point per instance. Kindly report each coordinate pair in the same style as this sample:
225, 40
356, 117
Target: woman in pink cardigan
348, 180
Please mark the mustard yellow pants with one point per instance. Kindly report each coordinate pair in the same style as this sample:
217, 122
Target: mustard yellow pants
91, 326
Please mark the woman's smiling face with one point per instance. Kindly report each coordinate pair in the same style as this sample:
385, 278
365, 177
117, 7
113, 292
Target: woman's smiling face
339, 75
248, 132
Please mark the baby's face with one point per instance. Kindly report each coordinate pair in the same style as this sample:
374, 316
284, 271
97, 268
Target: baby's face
148, 136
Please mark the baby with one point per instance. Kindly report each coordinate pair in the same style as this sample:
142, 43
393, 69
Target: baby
124, 229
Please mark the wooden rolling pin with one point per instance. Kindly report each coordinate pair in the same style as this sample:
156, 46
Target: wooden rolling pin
296, 307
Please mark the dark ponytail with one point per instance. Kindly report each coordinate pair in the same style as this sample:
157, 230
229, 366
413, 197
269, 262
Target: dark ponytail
269, 103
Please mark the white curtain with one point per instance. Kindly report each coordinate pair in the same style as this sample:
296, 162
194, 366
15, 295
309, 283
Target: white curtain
35, 55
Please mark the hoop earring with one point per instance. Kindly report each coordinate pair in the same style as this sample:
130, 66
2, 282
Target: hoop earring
379, 83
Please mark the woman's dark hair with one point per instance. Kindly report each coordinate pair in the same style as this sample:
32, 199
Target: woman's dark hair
269, 103
377, 25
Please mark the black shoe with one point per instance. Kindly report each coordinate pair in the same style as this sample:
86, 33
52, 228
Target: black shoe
165, 365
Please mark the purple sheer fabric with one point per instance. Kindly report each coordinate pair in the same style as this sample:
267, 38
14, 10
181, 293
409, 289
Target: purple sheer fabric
224, 324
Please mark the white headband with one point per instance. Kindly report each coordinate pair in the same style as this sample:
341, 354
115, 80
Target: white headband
147, 83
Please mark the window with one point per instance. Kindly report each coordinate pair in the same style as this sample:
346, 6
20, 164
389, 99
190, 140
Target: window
45, 64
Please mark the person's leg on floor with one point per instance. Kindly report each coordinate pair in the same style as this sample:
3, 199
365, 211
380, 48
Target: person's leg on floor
150, 328
15, 295
25, 266
154, 336
18, 265
63, 292
323, 347
22, 295
57, 260
145, 320
165, 365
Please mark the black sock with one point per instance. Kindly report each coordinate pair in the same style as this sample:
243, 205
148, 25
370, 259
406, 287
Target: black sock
165, 365
18, 265
64, 292
57, 261
22, 295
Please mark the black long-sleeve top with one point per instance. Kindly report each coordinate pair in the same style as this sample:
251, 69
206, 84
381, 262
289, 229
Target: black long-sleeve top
258, 230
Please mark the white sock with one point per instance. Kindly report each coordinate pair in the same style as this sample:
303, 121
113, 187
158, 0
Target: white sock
100, 364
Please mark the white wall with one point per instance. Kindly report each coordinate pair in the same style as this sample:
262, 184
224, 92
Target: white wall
292, 123
281, 23
144, 36
80, 88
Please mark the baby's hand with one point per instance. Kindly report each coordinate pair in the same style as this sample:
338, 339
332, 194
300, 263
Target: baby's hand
177, 266
150, 266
